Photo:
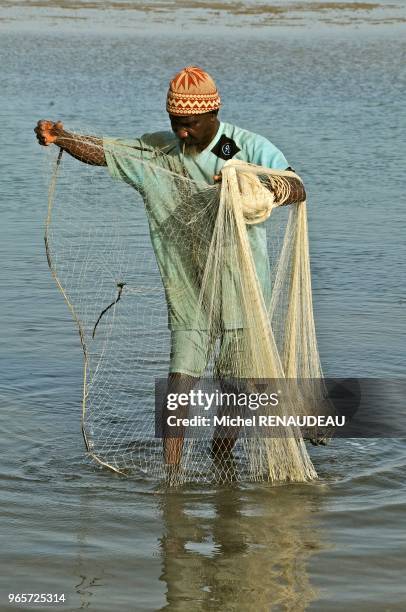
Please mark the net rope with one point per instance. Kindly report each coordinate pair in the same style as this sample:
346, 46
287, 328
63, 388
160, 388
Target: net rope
102, 238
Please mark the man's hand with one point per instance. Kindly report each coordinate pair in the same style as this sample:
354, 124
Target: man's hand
217, 178
47, 132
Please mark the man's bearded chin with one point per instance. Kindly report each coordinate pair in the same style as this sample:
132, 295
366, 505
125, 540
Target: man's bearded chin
190, 150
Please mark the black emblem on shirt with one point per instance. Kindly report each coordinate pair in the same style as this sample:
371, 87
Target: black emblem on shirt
225, 148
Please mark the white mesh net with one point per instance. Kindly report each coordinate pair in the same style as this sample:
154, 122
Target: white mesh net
125, 258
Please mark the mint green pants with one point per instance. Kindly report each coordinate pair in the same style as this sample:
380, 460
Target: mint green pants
191, 350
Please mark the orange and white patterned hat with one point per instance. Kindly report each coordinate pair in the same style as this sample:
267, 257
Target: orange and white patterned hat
192, 91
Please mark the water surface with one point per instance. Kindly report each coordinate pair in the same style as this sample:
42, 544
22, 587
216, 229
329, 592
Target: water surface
331, 97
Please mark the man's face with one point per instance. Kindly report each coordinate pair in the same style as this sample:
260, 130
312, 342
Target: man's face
195, 130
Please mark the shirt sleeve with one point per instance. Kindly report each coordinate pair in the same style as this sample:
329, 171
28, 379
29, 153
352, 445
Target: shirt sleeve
126, 160
266, 154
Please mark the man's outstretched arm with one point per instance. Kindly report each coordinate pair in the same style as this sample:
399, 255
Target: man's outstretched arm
87, 149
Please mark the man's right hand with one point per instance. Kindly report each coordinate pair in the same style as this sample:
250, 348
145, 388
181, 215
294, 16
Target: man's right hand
87, 149
47, 132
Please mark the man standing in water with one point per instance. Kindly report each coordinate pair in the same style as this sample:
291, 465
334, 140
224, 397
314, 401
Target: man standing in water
200, 144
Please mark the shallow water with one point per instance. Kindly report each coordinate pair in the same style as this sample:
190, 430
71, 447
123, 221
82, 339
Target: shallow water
331, 99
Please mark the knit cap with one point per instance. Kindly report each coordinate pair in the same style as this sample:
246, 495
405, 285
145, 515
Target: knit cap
192, 91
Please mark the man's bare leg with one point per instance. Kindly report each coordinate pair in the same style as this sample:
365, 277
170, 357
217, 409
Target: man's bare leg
173, 446
224, 438
221, 447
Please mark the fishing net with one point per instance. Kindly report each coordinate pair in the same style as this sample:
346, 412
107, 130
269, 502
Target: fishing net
228, 264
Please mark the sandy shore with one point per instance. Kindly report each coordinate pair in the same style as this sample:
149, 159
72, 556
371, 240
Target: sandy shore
123, 13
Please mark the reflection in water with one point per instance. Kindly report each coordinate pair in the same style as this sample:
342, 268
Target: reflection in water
231, 548
85, 590
239, 549
88, 574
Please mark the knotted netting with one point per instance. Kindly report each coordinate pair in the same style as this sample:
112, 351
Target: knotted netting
127, 257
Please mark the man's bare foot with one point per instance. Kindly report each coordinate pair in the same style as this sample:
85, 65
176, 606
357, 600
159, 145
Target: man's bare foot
172, 474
